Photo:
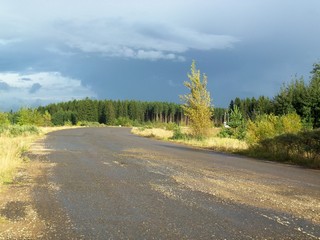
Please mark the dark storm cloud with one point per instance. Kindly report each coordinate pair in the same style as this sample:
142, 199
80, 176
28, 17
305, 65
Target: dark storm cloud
35, 88
140, 50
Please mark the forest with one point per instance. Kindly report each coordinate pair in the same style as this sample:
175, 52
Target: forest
109, 112
285, 124
299, 96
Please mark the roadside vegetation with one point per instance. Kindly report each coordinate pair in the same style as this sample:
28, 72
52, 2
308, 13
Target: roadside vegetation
14, 142
284, 128
197, 103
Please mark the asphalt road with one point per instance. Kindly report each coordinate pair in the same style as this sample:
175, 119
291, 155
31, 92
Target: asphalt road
106, 183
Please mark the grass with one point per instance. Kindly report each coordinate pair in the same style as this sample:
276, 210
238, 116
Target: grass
14, 141
217, 144
158, 133
11, 152
213, 142
301, 149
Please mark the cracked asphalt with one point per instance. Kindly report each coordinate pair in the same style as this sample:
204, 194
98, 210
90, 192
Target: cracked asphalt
105, 183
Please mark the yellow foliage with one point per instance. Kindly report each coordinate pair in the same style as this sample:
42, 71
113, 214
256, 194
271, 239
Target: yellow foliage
270, 126
197, 104
291, 123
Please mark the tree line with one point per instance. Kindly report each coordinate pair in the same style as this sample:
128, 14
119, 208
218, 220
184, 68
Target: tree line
298, 96
111, 112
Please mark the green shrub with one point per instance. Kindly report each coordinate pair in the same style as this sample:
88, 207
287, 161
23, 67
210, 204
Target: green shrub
17, 130
270, 126
4, 120
302, 148
263, 127
225, 133
291, 123
85, 124
3, 129
237, 126
177, 133
124, 121
171, 126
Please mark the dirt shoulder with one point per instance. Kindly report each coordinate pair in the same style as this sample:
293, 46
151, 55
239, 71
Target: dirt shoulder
28, 208
19, 218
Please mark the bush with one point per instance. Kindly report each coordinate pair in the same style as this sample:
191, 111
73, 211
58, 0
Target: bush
85, 124
270, 126
225, 133
291, 123
124, 121
302, 148
17, 130
4, 120
237, 126
177, 133
263, 127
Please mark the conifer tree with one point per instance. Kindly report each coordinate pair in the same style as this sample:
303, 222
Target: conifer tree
110, 113
46, 118
197, 104
314, 91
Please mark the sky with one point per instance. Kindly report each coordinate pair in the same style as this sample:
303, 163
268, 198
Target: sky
53, 51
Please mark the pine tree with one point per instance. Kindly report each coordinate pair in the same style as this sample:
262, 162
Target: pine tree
110, 113
314, 90
197, 104
46, 118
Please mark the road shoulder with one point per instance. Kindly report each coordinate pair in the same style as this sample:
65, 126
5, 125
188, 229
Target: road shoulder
28, 206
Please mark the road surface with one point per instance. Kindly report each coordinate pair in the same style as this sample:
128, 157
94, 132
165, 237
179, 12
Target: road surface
105, 183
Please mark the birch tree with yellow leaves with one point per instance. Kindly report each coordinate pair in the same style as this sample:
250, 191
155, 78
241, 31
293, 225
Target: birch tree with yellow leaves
197, 103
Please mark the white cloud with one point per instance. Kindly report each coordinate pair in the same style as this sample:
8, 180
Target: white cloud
39, 88
5, 42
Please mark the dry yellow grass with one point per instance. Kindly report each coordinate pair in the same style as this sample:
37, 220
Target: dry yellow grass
11, 151
158, 133
215, 143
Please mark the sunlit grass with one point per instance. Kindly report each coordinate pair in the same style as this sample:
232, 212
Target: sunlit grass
216, 143
213, 142
12, 148
158, 133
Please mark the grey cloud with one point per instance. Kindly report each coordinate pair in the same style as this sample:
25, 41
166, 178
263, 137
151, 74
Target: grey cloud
135, 40
236, 43
35, 88
4, 86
